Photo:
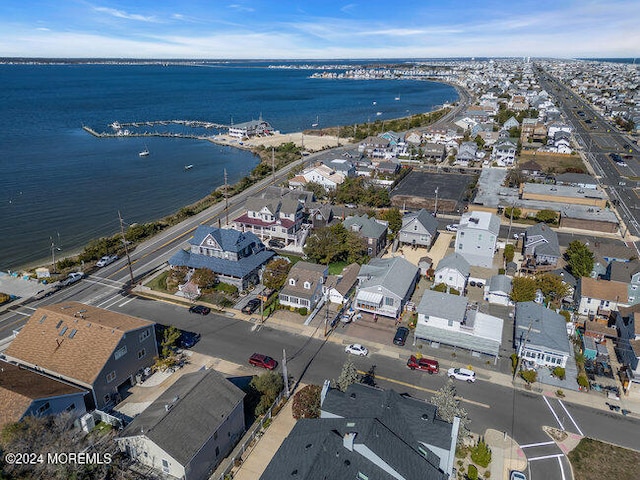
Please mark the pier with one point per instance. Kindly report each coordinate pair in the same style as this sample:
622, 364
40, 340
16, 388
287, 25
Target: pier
122, 129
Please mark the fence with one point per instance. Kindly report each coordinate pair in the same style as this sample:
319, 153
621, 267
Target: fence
248, 442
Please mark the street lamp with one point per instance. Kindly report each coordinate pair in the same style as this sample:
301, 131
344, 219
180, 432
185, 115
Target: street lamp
54, 248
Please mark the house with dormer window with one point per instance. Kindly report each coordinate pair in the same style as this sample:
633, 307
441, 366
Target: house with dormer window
235, 257
303, 288
273, 218
97, 350
372, 230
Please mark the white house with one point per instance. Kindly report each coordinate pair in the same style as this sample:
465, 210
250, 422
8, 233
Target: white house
453, 270
325, 175
476, 238
498, 290
599, 297
504, 153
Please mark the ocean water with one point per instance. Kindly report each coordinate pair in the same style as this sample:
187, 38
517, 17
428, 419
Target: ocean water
59, 184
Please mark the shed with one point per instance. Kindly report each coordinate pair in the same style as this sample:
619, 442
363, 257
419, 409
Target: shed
589, 345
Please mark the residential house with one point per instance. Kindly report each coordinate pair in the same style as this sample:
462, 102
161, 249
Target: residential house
418, 228
24, 392
447, 319
453, 270
466, 153
321, 174
433, 152
511, 123
413, 137
527, 130
270, 218
540, 336
375, 147
372, 230
558, 127
92, 348
489, 138
321, 215
541, 247
531, 168
342, 166
235, 257
189, 429
504, 153
389, 168
366, 432
498, 290
341, 287
303, 288
476, 237
601, 297
628, 345
250, 129
570, 282
385, 286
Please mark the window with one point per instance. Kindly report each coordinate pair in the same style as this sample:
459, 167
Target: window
121, 352
141, 353
111, 376
143, 335
43, 408
307, 285
388, 301
165, 466
292, 281
70, 408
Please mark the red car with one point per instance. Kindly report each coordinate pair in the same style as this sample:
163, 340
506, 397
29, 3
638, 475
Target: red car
426, 364
259, 360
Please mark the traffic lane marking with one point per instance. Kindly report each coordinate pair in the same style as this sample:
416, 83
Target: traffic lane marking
570, 417
423, 389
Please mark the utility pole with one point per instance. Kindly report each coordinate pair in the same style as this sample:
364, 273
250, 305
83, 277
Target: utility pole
126, 248
513, 205
435, 210
520, 349
54, 247
273, 164
285, 375
226, 199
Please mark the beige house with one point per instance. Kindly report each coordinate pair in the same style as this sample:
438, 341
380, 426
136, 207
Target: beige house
303, 288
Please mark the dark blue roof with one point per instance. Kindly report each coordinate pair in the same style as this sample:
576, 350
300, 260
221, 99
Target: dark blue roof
230, 240
239, 269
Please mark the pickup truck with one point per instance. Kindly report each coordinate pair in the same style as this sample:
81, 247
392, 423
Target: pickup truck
72, 278
106, 260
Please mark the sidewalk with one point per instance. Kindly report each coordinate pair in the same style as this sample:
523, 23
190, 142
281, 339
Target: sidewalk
506, 454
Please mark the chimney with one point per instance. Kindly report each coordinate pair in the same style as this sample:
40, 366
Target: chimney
348, 439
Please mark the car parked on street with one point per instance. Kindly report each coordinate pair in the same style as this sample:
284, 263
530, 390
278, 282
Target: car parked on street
188, 339
428, 365
462, 374
262, 361
516, 475
452, 227
199, 309
251, 306
72, 278
401, 336
106, 260
356, 349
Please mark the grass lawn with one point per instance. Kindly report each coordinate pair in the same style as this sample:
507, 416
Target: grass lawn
159, 283
292, 258
559, 163
594, 460
337, 267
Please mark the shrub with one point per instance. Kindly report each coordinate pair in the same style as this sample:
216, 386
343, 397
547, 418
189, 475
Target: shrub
441, 287
529, 376
583, 381
559, 393
514, 363
303, 311
559, 372
306, 402
481, 454
472, 472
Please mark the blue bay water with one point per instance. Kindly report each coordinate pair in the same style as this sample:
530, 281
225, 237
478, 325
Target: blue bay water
57, 179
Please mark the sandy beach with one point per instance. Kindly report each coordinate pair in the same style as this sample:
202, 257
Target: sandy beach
310, 143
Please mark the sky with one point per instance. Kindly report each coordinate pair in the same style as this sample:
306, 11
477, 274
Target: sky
325, 29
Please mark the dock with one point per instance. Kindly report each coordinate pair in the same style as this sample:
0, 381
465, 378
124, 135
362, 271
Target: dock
121, 130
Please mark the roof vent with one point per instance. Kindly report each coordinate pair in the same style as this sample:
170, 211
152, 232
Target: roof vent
425, 416
353, 396
294, 473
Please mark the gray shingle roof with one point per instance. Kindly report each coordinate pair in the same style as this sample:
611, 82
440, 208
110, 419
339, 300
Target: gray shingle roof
204, 401
369, 228
545, 240
427, 220
455, 261
500, 283
548, 328
395, 274
238, 269
443, 305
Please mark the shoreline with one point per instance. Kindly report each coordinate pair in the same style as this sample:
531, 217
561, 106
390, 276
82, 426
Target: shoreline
309, 143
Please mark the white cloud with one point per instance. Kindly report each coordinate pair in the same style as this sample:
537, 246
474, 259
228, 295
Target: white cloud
241, 8
122, 14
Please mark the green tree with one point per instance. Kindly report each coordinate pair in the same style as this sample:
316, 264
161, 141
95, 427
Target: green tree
348, 376
479, 141
269, 385
449, 407
317, 189
523, 289
393, 217
552, 287
579, 259
275, 273
320, 247
546, 216
481, 454
515, 215
509, 252
204, 278
306, 402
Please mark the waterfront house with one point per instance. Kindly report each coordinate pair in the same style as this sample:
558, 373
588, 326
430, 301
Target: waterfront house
448, 319
324, 175
375, 147
372, 230
303, 288
250, 129
189, 429
24, 392
476, 238
418, 228
273, 218
92, 348
453, 270
540, 336
385, 286
235, 257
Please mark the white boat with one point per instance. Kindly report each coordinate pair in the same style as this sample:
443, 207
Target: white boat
144, 153
314, 125
397, 98
116, 125
375, 103
188, 167
378, 113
